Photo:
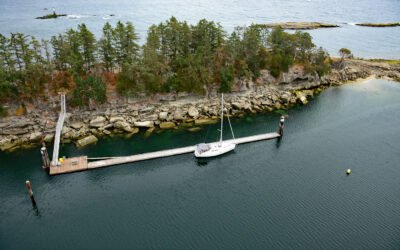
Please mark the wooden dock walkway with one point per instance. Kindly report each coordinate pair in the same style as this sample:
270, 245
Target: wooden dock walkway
59, 127
81, 163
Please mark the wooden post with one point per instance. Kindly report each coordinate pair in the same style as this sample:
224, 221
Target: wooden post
281, 126
45, 157
30, 192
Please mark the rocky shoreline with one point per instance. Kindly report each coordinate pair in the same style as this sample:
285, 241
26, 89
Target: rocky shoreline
184, 111
379, 25
300, 25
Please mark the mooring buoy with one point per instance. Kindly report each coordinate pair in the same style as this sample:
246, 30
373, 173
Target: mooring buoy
348, 171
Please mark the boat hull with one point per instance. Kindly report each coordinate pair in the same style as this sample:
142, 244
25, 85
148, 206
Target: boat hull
216, 149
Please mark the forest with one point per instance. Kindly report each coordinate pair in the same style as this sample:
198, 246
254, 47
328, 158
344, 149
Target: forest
175, 57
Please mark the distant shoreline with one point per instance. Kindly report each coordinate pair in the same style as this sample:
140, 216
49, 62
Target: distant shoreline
300, 25
379, 25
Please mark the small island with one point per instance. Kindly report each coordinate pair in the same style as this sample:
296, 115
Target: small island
379, 24
51, 16
300, 25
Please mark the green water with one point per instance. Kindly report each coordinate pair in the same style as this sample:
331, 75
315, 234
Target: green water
292, 194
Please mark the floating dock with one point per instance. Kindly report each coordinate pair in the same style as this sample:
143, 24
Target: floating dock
76, 164
81, 163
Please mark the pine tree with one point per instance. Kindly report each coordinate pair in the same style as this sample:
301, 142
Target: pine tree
74, 51
22, 52
125, 43
6, 55
106, 48
37, 51
88, 46
155, 67
131, 48
60, 50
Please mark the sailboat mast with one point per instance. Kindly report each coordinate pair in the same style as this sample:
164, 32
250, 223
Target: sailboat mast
222, 115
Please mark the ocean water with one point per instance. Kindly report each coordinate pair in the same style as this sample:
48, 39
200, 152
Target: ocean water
19, 16
270, 195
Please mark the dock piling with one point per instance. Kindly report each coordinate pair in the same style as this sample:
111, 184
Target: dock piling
281, 126
30, 192
45, 157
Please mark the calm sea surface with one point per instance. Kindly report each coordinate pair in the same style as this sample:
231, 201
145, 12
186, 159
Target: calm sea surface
292, 194
19, 15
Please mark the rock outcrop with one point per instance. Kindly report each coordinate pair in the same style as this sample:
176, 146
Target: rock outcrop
86, 141
300, 25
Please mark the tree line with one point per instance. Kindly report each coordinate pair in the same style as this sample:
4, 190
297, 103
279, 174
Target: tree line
175, 57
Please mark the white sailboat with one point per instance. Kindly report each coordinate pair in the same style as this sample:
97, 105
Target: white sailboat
205, 150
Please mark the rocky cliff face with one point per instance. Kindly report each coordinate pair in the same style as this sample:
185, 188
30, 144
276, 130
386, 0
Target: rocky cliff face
187, 112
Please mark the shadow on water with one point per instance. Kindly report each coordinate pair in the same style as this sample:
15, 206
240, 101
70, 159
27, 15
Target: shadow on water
201, 162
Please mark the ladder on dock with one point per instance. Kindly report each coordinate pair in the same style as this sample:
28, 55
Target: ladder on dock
60, 124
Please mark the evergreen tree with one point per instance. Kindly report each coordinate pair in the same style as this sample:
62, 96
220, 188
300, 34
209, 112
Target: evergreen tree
60, 50
36, 51
227, 77
89, 89
156, 69
88, 46
125, 42
73, 48
7, 59
106, 48
20, 47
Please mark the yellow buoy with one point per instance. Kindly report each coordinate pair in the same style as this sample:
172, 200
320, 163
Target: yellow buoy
348, 171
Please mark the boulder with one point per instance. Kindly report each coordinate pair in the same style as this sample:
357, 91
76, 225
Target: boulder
237, 105
266, 103
247, 106
163, 115
14, 131
149, 132
193, 112
285, 97
77, 125
303, 99
124, 126
7, 145
278, 105
35, 136
146, 110
167, 125
179, 115
49, 137
86, 141
205, 121
98, 122
21, 124
153, 117
115, 119
65, 130
145, 124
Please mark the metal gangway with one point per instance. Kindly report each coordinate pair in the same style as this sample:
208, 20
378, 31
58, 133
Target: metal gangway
60, 124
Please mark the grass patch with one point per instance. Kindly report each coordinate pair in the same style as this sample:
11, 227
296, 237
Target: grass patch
3, 111
391, 62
